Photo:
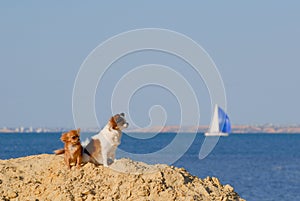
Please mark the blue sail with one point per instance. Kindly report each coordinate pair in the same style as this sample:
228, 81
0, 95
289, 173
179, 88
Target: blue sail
224, 122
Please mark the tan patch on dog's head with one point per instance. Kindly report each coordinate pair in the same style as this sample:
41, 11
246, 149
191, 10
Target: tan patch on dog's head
112, 123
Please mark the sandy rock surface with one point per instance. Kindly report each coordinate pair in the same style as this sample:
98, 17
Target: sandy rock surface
45, 177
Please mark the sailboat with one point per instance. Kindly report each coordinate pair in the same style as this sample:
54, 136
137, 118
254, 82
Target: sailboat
220, 124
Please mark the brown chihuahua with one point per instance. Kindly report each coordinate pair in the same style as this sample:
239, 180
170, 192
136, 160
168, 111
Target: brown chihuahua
72, 148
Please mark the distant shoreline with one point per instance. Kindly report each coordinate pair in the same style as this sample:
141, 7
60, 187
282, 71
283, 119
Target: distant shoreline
236, 129
233, 133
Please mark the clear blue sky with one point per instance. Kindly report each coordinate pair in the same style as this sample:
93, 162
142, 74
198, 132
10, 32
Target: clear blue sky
255, 45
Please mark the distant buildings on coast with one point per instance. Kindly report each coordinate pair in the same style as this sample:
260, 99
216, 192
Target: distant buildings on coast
22, 129
30, 130
266, 128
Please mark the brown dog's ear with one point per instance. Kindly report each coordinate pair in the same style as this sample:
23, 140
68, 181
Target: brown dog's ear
65, 137
78, 131
113, 123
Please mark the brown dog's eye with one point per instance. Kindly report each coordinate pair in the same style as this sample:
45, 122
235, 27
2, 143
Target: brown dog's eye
74, 137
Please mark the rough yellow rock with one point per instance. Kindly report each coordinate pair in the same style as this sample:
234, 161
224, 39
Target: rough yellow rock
45, 177
11, 194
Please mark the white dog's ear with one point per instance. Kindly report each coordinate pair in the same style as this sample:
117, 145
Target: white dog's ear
113, 123
122, 114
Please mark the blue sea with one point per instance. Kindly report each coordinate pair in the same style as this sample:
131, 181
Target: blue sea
260, 167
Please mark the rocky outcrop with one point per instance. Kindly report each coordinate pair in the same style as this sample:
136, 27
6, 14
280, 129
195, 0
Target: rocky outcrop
45, 177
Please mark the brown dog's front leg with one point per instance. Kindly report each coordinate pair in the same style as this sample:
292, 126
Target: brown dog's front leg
79, 160
67, 162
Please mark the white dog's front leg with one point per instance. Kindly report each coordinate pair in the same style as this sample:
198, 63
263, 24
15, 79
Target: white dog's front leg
111, 154
104, 156
113, 157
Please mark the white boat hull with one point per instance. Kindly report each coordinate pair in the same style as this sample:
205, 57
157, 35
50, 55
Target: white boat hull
215, 134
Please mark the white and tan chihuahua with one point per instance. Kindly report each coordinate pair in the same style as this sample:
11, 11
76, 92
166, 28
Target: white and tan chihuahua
102, 147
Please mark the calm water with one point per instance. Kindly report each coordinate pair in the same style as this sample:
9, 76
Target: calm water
260, 167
